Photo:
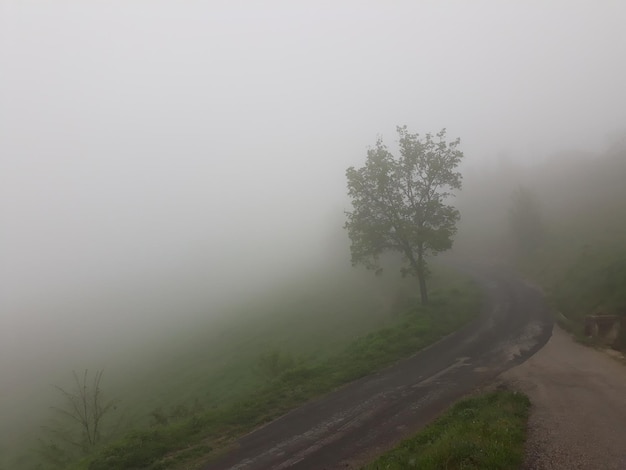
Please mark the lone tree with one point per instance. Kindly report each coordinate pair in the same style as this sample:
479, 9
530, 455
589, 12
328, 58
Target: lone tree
400, 202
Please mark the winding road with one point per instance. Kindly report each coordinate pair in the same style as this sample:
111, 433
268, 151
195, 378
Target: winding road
351, 425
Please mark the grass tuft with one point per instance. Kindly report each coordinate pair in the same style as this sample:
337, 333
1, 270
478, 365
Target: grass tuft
486, 432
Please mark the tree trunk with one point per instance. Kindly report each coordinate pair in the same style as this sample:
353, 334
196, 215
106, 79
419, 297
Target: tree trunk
423, 291
420, 271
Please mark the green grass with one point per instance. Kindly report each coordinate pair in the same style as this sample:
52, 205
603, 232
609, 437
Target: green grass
486, 432
310, 320
582, 262
581, 277
281, 373
313, 319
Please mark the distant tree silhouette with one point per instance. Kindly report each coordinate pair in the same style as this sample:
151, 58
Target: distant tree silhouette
526, 221
79, 422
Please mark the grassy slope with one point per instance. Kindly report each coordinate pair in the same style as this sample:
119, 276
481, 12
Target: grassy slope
310, 320
486, 432
588, 279
325, 346
582, 263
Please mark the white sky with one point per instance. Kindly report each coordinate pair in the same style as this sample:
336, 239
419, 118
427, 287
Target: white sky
142, 141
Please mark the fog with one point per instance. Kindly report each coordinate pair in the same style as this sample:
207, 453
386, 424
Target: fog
162, 160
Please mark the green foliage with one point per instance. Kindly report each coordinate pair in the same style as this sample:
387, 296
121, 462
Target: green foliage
486, 432
291, 383
137, 451
399, 203
53, 454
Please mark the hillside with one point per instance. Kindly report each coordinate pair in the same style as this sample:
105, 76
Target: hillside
580, 257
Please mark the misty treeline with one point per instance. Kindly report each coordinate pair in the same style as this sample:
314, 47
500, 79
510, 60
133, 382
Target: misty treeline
561, 221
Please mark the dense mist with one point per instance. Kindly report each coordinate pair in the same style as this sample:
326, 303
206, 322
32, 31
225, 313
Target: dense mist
162, 163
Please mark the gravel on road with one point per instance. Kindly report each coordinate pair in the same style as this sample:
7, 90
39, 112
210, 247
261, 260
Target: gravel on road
578, 419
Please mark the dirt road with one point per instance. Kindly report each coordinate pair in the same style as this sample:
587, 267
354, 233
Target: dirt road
349, 426
578, 419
